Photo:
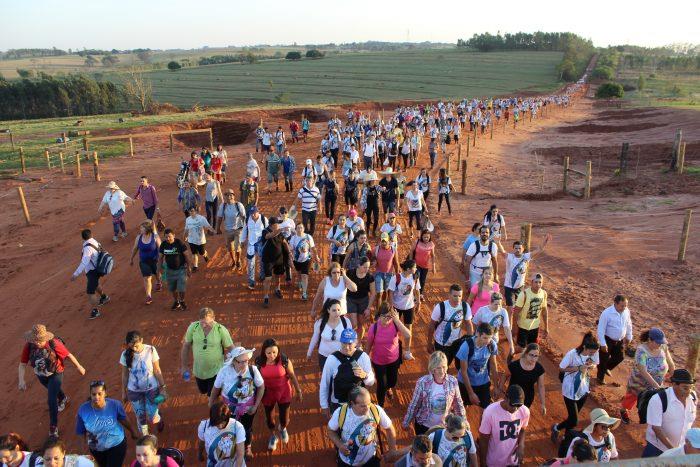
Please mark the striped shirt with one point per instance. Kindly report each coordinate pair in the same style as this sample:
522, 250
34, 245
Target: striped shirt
309, 198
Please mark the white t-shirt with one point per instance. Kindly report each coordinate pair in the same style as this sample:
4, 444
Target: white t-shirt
252, 168
354, 156
449, 330
393, 232
115, 201
483, 259
602, 454
301, 247
141, 377
495, 224
343, 235
355, 225
243, 394
368, 150
438, 404
287, 226
221, 444
455, 450
515, 270
195, 229
403, 297
676, 421
444, 186
361, 431
414, 200
576, 385
329, 340
496, 318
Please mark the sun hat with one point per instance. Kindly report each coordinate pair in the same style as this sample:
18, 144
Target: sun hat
682, 376
348, 336
384, 236
600, 416
112, 185
388, 171
371, 177
515, 395
693, 436
657, 336
238, 351
38, 334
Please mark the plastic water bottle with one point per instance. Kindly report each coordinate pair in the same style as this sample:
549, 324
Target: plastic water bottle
186, 375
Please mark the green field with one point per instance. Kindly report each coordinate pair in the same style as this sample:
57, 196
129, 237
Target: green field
381, 76
663, 88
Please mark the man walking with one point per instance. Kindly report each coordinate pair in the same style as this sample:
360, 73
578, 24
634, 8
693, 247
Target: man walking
614, 332
289, 165
530, 308
309, 195
449, 319
175, 262
231, 216
482, 254
88, 263
275, 258
252, 236
502, 430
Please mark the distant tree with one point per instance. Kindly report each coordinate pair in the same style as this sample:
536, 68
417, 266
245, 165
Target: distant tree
608, 90
250, 58
641, 82
145, 56
277, 54
24, 73
90, 61
138, 89
314, 53
293, 56
603, 72
567, 70
110, 60
174, 66
114, 51
2, 78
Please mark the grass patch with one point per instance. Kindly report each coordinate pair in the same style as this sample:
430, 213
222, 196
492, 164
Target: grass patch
663, 88
692, 170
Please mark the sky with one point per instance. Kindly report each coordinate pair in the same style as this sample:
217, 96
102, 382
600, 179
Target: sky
173, 24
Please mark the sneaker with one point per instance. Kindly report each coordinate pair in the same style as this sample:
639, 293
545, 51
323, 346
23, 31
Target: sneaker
272, 444
408, 356
124, 234
625, 417
115, 239
158, 287
304, 297
53, 431
95, 313
278, 293
149, 300
390, 394
62, 404
251, 285
183, 305
284, 435
266, 302
176, 305
554, 435
104, 299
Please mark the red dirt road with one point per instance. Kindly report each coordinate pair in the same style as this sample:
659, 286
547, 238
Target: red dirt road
615, 242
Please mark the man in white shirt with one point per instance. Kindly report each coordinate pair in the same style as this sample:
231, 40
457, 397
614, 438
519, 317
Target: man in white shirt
449, 319
252, 237
484, 255
114, 199
309, 195
91, 250
614, 332
666, 429
516, 269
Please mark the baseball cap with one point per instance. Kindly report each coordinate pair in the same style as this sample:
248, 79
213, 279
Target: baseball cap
253, 209
352, 212
348, 336
657, 336
309, 162
515, 395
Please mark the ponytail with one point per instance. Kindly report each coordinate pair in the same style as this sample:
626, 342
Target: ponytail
129, 352
644, 336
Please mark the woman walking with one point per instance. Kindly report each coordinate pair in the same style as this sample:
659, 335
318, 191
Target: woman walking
330, 195
480, 293
436, 395
497, 316
213, 197
527, 372
415, 204
423, 254
359, 248
404, 295
359, 303
385, 259
147, 454
327, 330
221, 438
444, 189
384, 349
53, 454
369, 203
339, 236
277, 371
115, 200
14, 452
576, 366
303, 254
142, 381
495, 221
423, 182
335, 285
652, 362
147, 244
350, 191
46, 354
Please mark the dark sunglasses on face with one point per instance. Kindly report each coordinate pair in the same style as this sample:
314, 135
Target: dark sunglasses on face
205, 344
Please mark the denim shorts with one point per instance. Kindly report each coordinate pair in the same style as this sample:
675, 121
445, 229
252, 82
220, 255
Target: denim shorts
381, 281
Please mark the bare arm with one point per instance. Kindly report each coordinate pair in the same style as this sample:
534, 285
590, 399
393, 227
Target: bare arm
391, 437
351, 286
293, 378
214, 397
125, 383
318, 298
185, 355
127, 426
158, 374
483, 447
135, 249
541, 391
21, 371
77, 364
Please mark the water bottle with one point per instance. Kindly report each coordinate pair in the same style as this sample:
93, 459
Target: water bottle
186, 375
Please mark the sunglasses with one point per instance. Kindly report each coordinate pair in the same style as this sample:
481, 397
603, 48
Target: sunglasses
205, 344
333, 334
97, 383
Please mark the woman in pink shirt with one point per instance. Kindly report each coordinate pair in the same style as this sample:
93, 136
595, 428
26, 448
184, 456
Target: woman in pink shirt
147, 454
384, 349
423, 254
480, 293
385, 259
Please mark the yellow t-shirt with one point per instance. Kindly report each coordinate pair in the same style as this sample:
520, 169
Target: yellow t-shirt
531, 305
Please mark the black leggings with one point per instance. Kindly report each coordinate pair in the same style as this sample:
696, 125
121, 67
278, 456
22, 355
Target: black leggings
308, 218
112, 457
414, 215
372, 213
211, 208
572, 409
446, 197
387, 376
422, 276
247, 422
283, 413
329, 204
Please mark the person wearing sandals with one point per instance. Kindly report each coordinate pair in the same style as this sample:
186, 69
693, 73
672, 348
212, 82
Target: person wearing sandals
142, 381
147, 244
277, 372
221, 438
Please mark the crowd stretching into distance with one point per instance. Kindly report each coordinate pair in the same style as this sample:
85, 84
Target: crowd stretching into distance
369, 293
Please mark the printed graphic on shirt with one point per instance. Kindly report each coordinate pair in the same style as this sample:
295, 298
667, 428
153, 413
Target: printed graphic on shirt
508, 430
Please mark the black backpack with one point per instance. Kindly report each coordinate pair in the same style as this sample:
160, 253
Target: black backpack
174, 453
571, 435
479, 250
443, 309
643, 402
345, 379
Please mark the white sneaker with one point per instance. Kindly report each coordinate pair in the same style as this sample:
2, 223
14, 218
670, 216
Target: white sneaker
407, 355
124, 234
284, 434
272, 444
115, 239
62, 404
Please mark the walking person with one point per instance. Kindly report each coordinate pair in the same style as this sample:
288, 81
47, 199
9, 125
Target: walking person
444, 189
494, 220
187, 197
175, 263
335, 285
404, 295
451, 319
213, 198
386, 260
241, 387
46, 354
339, 236
147, 193
419, 454
277, 372
599, 436
102, 422
142, 381
276, 258
115, 199
359, 303
478, 367
516, 267
252, 237
576, 367
194, 233
289, 166
393, 229
423, 182
423, 253
502, 430
232, 217
147, 453
455, 443
304, 253
527, 372
497, 316
330, 195
652, 362
223, 155
88, 265
384, 348
352, 182
309, 195
273, 161
369, 203
221, 438
389, 188
147, 244
359, 247
249, 193
480, 293
416, 206
531, 307
327, 330
614, 333
14, 452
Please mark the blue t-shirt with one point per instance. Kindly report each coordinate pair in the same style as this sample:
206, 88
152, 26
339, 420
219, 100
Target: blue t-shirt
101, 425
478, 365
471, 238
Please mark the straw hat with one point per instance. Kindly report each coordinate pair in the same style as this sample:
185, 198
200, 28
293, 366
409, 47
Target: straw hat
388, 171
372, 176
602, 417
112, 185
238, 351
38, 334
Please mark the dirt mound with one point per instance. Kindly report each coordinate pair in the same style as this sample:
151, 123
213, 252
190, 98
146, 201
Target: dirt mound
314, 115
225, 132
595, 128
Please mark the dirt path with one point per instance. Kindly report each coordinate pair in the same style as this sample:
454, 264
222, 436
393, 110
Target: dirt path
597, 243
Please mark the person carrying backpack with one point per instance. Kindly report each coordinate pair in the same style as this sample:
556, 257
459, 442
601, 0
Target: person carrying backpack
221, 438
95, 263
454, 443
149, 455
46, 354
232, 216
343, 371
482, 254
477, 366
355, 427
598, 434
448, 319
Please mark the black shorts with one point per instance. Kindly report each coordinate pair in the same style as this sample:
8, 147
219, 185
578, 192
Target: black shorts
406, 316
93, 281
527, 337
483, 392
266, 147
357, 305
511, 295
205, 385
302, 268
306, 132
273, 268
149, 267
198, 249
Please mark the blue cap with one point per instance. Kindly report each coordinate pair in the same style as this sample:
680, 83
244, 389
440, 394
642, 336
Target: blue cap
253, 209
348, 336
693, 436
657, 336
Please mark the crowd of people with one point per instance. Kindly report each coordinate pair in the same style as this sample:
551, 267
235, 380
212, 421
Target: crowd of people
364, 313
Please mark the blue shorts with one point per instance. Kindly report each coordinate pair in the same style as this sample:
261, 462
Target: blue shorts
381, 281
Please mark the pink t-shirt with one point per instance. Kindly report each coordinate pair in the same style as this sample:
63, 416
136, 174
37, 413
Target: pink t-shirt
385, 344
422, 254
484, 298
385, 259
504, 428
170, 462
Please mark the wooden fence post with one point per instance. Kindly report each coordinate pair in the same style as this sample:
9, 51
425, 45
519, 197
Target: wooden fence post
459, 156
467, 147
96, 166
464, 177
676, 148
131, 146
684, 235
65, 143
86, 146
78, 171
48, 159
492, 129
12, 141
476, 132
691, 363
566, 174
171, 143
589, 179
681, 158
525, 235
449, 157
60, 158
623, 159
21, 160
23, 202
211, 139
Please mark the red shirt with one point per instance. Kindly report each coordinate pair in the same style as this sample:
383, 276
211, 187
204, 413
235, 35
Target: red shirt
61, 353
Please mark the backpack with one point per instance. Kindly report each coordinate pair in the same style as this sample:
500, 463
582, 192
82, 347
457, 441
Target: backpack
343, 320
443, 309
345, 379
45, 358
104, 263
487, 250
437, 438
643, 402
239, 209
373, 411
569, 436
174, 453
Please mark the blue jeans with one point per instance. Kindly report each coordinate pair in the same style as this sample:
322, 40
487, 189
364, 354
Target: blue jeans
381, 281
651, 451
53, 384
251, 264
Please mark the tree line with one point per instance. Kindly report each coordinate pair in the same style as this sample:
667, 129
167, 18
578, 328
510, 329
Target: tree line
48, 97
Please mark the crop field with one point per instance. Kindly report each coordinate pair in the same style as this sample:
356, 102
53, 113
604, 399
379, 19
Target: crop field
663, 88
382, 76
